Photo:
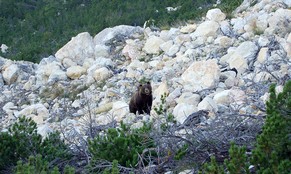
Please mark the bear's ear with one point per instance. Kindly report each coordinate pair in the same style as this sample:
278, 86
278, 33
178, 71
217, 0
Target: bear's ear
139, 86
148, 82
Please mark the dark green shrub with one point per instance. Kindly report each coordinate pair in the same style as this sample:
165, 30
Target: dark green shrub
19, 142
236, 164
121, 144
212, 167
38, 164
273, 148
113, 170
22, 141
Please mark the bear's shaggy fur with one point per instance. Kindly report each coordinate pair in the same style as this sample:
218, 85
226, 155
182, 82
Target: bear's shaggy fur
142, 100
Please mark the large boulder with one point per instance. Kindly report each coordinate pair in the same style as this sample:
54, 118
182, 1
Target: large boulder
202, 75
74, 72
206, 29
106, 35
182, 111
78, 49
188, 28
243, 53
10, 73
152, 45
215, 15
49, 70
102, 74
119, 110
131, 50
38, 112
279, 22
208, 104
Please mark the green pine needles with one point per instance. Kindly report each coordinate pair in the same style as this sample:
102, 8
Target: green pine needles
22, 141
272, 151
121, 144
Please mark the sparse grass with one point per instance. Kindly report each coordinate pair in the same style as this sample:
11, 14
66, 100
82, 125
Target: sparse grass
258, 31
229, 6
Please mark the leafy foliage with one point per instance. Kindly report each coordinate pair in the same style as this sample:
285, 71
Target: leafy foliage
35, 29
121, 144
22, 141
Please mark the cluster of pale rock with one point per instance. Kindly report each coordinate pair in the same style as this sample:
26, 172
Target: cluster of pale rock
181, 62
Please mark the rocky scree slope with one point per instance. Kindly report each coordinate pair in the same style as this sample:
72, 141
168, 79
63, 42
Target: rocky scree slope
91, 79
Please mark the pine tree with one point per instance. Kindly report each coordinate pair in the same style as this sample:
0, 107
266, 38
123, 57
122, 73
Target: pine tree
273, 149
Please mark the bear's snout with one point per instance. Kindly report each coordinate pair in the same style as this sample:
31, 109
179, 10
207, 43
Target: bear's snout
147, 91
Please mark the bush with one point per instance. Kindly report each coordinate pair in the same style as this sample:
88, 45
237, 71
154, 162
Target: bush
273, 149
121, 144
236, 164
273, 146
22, 141
39, 165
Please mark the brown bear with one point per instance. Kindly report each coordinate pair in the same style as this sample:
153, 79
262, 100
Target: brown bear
142, 100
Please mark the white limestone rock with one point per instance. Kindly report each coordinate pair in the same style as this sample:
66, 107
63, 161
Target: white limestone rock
48, 68
188, 28
78, 49
56, 76
9, 108
67, 62
262, 56
261, 23
173, 50
101, 51
215, 15
38, 112
239, 58
189, 98
279, 22
202, 75
208, 104
4, 48
182, 111
263, 41
223, 41
232, 96
166, 46
152, 45
170, 100
1, 80
132, 52
108, 34
10, 73
75, 72
238, 25
206, 29
287, 2
102, 74
161, 90
44, 130
119, 110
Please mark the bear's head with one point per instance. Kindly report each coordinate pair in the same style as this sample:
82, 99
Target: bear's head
145, 89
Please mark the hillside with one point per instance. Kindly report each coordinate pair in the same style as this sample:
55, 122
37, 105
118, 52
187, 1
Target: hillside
36, 29
210, 82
